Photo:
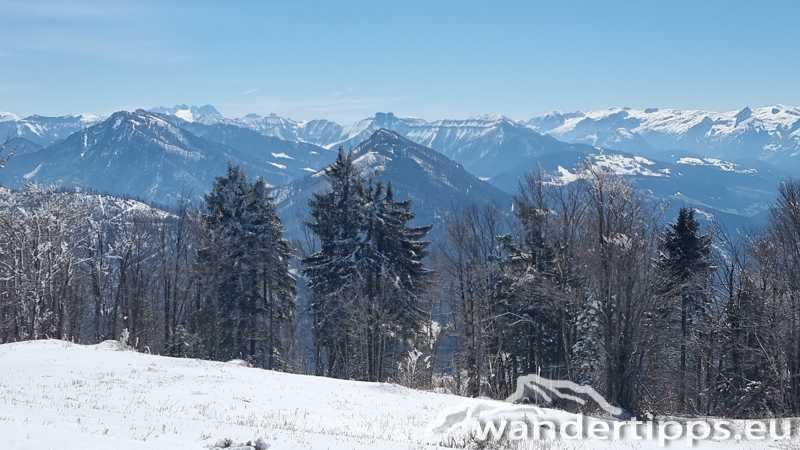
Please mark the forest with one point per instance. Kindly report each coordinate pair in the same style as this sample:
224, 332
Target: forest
581, 282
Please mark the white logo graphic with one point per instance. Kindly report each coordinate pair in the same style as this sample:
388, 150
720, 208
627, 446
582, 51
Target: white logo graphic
527, 386
538, 384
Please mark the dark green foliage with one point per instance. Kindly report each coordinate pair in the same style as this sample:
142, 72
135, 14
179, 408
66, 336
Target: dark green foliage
249, 292
367, 276
686, 253
685, 269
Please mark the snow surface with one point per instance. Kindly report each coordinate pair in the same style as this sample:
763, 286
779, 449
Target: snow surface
7, 117
58, 395
724, 165
675, 121
760, 132
185, 114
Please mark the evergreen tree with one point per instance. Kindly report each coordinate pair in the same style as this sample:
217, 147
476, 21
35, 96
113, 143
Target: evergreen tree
685, 268
250, 293
366, 278
336, 216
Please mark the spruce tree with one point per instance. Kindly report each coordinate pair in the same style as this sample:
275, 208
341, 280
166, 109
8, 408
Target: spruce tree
250, 293
685, 268
336, 216
366, 278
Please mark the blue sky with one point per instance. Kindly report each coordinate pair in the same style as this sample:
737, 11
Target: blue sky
431, 59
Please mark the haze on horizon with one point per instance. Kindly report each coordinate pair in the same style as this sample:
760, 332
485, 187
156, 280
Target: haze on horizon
344, 62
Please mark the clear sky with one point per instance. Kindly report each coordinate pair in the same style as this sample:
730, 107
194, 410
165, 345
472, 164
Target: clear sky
432, 59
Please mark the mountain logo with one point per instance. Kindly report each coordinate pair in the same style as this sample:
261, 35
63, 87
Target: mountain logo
548, 389
528, 386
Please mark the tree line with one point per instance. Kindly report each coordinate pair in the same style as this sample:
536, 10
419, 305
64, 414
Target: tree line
582, 282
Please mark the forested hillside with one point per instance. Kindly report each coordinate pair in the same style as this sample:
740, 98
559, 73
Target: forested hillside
579, 281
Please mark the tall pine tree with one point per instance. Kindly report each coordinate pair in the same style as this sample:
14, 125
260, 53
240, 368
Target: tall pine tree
367, 277
244, 266
686, 267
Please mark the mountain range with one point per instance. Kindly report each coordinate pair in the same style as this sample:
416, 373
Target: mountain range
769, 134
437, 184
141, 154
44, 130
484, 145
165, 153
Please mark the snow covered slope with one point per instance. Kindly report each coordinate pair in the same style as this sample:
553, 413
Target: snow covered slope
296, 158
769, 133
44, 130
485, 145
736, 194
435, 183
140, 154
61, 396
187, 113
57, 395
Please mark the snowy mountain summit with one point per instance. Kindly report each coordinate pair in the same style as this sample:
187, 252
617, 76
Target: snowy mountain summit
189, 114
770, 133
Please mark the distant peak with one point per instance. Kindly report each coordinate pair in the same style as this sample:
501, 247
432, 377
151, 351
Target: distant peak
206, 110
384, 133
186, 112
743, 115
252, 116
490, 117
7, 116
385, 120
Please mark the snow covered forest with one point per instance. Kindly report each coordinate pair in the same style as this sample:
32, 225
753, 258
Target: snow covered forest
581, 282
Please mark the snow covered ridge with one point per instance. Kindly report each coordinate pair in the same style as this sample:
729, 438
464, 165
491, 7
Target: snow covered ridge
54, 394
45, 130
329, 134
756, 133
641, 166
724, 165
674, 121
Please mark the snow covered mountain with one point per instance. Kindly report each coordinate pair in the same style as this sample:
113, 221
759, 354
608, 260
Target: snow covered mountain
490, 145
140, 154
770, 133
485, 145
435, 183
295, 158
187, 113
44, 130
736, 194
155, 156
319, 132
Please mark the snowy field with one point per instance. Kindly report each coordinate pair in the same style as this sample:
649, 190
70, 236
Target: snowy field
57, 395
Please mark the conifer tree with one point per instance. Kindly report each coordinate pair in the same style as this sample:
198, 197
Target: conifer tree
335, 217
685, 269
366, 278
250, 293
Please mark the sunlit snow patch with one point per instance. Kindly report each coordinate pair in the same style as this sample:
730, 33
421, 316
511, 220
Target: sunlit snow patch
185, 114
727, 166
